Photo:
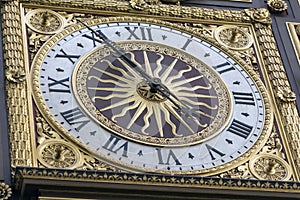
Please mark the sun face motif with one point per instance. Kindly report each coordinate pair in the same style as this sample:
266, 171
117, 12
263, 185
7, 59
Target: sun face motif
120, 99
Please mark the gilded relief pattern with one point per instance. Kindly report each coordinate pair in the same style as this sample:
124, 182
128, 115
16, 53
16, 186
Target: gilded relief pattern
172, 181
269, 164
285, 98
16, 86
56, 152
18, 112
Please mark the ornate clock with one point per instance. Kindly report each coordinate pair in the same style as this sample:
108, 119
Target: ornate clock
151, 96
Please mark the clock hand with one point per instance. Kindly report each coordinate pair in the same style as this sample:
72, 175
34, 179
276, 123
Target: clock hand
154, 83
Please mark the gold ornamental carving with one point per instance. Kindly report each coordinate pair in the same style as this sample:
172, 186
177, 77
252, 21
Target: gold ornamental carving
233, 37
20, 138
62, 153
157, 180
5, 191
286, 95
45, 21
260, 15
278, 81
270, 167
16, 86
59, 154
253, 170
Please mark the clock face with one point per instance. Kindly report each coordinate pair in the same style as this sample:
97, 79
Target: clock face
211, 114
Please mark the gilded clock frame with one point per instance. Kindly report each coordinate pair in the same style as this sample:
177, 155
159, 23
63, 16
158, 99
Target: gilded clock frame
265, 132
20, 110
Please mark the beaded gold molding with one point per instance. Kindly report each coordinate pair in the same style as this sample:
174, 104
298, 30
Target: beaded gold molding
156, 180
21, 125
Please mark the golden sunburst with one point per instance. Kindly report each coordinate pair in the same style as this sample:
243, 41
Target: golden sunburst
121, 95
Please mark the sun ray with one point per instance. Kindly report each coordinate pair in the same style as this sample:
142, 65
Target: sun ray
114, 89
167, 72
126, 95
169, 106
158, 66
125, 110
184, 81
198, 103
122, 71
146, 118
186, 94
158, 119
123, 79
129, 68
178, 75
193, 89
204, 114
137, 113
168, 120
148, 68
119, 103
108, 81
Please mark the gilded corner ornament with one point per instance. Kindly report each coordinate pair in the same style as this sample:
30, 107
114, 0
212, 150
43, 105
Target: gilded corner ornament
260, 15
270, 167
45, 21
5, 191
233, 37
59, 154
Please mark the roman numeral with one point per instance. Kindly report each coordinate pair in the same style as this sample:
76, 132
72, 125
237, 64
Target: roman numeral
240, 129
75, 117
112, 145
243, 98
70, 57
93, 38
142, 34
213, 151
59, 85
223, 67
186, 44
171, 154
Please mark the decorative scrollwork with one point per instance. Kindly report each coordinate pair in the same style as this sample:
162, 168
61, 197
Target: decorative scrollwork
90, 163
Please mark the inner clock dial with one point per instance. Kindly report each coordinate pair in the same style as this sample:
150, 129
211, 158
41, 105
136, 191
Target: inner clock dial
119, 98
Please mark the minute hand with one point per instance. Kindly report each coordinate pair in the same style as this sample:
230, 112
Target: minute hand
154, 83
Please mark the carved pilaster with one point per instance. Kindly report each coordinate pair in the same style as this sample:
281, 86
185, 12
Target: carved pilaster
16, 86
285, 98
